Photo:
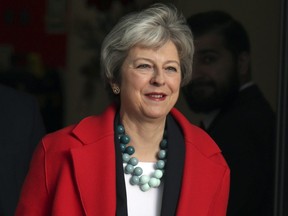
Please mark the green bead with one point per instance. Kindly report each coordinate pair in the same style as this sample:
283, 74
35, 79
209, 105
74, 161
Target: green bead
145, 182
158, 183
162, 154
125, 157
122, 147
163, 144
133, 161
130, 150
125, 139
120, 129
119, 136
134, 180
129, 169
160, 164
138, 171
158, 174
145, 187
144, 179
154, 182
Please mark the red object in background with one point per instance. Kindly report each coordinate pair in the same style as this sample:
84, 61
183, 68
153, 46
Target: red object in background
23, 26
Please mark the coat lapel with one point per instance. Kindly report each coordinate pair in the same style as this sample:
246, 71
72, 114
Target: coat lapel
174, 168
97, 187
94, 164
203, 170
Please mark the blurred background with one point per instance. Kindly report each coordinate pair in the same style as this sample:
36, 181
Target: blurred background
51, 49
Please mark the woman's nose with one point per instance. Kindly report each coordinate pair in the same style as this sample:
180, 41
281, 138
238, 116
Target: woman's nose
158, 78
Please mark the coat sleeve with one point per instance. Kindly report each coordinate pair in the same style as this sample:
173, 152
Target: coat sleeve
34, 198
219, 206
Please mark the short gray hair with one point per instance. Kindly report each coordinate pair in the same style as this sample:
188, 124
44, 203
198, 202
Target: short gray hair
151, 27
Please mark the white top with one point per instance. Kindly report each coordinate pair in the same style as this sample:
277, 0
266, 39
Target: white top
141, 203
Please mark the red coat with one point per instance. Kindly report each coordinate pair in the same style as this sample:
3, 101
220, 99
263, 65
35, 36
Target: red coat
73, 172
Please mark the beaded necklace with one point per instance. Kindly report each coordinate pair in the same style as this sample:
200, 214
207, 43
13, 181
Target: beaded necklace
145, 182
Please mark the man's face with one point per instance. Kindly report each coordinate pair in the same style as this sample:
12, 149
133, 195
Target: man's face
215, 75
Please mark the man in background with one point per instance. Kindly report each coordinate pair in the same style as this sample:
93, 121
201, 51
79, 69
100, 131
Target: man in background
236, 114
21, 128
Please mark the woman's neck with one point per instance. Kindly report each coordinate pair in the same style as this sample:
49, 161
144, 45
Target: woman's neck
145, 137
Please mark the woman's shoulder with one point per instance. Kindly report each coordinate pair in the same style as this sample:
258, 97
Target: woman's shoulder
86, 131
61, 139
195, 136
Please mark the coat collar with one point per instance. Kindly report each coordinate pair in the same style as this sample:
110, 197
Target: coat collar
192, 133
104, 124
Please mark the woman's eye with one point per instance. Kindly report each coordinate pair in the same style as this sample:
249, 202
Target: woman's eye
143, 66
171, 69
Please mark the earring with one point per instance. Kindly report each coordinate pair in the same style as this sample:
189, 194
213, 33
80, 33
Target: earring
116, 89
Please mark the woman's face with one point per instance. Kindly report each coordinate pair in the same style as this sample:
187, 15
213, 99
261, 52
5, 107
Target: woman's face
150, 81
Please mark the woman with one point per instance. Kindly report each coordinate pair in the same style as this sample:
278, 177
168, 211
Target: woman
141, 156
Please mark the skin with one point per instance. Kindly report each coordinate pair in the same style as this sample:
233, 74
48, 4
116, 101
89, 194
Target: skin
150, 87
216, 74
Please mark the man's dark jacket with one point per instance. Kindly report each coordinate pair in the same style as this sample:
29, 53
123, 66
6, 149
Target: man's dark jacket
21, 128
245, 132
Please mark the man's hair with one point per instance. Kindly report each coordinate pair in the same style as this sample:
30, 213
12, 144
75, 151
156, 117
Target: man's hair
234, 34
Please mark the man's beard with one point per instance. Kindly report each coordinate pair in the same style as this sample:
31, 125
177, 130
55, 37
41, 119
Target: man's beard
218, 97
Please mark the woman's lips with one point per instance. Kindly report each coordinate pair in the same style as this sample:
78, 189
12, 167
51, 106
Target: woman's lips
156, 96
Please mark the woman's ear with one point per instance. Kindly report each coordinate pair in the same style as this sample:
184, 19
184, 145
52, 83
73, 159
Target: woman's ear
115, 88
